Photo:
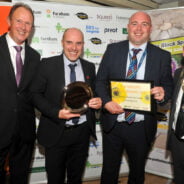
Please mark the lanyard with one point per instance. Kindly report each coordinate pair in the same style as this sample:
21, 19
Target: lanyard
141, 60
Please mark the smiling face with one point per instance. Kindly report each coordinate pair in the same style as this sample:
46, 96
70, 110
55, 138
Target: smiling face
73, 43
139, 28
20, 25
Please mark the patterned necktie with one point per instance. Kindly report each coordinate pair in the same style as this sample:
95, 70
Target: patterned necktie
19, 64
132, 71
73, 79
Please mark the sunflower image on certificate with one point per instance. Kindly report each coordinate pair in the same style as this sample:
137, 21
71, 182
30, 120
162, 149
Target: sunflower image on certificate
132, 94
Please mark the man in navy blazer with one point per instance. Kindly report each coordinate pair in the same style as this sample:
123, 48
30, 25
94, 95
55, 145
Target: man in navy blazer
17, 116
66, 143
136, 138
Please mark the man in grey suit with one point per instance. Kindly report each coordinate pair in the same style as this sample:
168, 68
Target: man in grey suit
119, 133
66, 142
17, 116
175, 141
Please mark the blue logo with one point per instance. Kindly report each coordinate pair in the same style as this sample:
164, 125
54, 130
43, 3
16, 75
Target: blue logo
92, 29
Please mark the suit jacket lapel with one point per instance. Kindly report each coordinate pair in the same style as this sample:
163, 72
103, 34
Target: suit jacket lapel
149, 62
6, 60
86, 71
61, 71
123, 60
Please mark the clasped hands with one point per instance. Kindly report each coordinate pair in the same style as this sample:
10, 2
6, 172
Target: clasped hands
94, 103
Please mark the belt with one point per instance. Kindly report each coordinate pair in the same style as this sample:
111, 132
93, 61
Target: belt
71, 127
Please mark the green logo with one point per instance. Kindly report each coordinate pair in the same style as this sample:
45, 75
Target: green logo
35, 40
89, 165
48, 13
124, 31
89, 54
59, 28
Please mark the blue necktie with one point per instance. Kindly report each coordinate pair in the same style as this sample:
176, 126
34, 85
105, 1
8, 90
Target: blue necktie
72, 72
19, 64
73, 79
132, 71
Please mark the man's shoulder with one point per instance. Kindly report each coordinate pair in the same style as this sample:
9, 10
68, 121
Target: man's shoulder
49, 59
157, 49
86, 62
3, 39
32, 51
119, 44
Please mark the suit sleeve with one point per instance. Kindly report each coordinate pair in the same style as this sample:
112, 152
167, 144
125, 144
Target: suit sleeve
38, 90
166, 80
102, 79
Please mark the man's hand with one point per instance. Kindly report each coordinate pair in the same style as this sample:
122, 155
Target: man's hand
66, 114
113, 108
95, 103
158, 93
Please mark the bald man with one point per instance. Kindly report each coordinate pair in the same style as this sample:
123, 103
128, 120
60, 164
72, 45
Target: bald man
66, 142
122, 130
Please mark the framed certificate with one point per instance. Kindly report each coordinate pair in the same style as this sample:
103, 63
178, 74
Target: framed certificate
133, 95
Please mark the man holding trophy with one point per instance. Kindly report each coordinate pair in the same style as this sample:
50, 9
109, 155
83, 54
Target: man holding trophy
67, 109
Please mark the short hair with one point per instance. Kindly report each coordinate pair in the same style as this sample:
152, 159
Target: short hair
19, 5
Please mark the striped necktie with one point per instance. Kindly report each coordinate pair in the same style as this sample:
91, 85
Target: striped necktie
132, 71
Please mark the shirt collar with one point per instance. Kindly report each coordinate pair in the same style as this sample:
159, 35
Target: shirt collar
11, 42
142, 47
67, 61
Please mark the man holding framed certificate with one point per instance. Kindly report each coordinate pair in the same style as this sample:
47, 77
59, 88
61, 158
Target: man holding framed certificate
133, 77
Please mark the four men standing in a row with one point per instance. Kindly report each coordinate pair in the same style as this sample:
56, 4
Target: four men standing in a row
27, 83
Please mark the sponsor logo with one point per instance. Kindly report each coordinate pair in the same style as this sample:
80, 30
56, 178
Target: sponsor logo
48, 13
92, 145
37, 12
92, 29
104, 17
110, 30
48, 39
60, 14
124, 31
90, 165
120, 18
96, 41
35, 40
55, 14
114, 41
44, 39
89, 54
82, 16
59, 28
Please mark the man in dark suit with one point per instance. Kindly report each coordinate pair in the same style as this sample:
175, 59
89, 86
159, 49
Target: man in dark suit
66, 142
119, 133
17, 116
175, 141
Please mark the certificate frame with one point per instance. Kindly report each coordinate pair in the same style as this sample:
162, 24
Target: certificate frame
133, 95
